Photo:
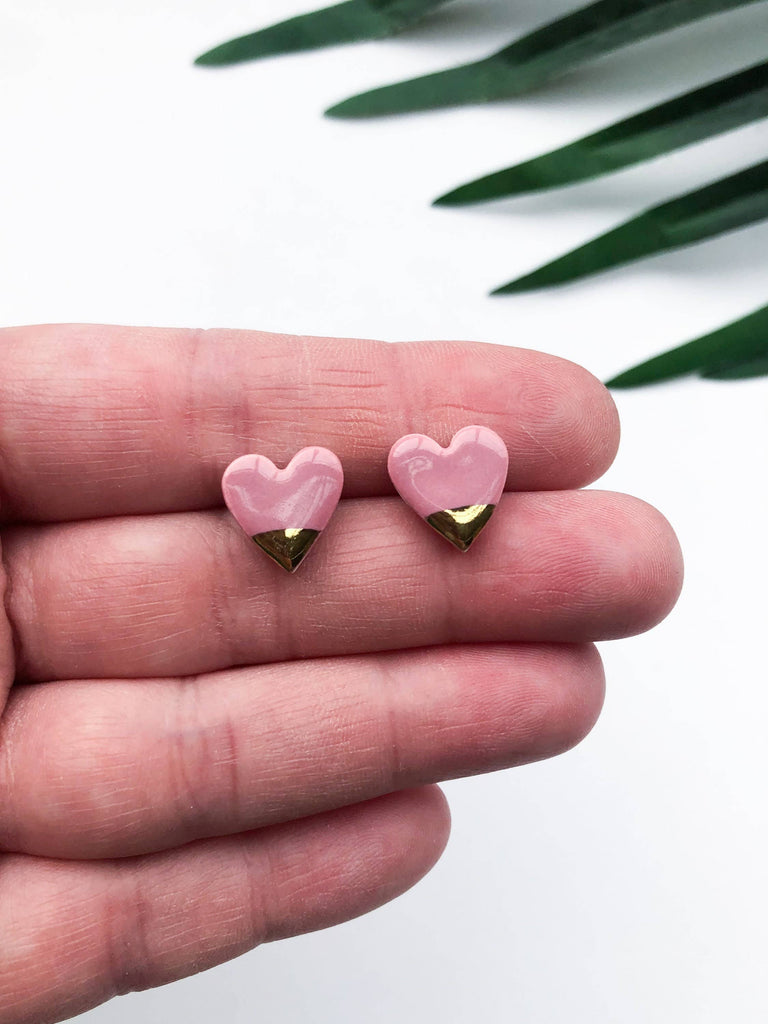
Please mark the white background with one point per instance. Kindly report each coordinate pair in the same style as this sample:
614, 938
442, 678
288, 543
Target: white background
624, 881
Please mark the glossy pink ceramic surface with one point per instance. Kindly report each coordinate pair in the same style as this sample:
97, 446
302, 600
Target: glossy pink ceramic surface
472, 470
302, 496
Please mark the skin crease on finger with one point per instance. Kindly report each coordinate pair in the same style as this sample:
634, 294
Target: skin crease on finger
7, 657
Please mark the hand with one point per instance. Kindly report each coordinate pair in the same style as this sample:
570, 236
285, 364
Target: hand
200, 752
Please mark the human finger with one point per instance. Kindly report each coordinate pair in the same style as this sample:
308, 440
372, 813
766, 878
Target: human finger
75, 934
140, 765
189, 592
99, 421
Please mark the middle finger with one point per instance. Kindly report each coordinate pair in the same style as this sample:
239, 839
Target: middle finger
186, 593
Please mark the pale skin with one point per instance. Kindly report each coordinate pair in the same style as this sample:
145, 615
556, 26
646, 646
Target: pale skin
200, 752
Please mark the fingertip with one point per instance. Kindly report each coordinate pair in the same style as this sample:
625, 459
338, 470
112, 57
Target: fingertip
428, 812
559, 693
389, 843
643, 562
415, 826
582, 421
558, 421
658, 577
602, 434
578, 694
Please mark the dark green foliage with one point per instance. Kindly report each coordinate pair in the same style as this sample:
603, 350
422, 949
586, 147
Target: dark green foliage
537, 57
737, 351
344, 23
701, 114
728, 204
734, 352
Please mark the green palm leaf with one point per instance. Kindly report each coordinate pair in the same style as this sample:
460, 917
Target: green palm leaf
728, 204
343, 23
545, 53
712, 110
734, 352
737, 351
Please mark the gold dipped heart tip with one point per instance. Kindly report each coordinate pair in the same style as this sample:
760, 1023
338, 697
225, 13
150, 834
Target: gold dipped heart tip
287, 547
461, 525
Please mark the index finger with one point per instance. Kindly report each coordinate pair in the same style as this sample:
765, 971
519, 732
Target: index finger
98, 421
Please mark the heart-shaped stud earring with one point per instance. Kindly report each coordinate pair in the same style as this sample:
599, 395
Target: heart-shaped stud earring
284, 510
456, 488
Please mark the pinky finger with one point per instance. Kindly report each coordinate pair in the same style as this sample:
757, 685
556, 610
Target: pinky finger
77, 933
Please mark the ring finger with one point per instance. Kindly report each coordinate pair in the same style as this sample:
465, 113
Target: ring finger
134, 766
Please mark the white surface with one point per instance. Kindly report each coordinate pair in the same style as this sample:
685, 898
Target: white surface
623, 882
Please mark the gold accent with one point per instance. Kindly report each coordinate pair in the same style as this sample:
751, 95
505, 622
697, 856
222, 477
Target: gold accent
461, 525
287, 547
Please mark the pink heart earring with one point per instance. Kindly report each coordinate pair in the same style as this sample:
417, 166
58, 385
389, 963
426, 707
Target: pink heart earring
284, 510
457, 488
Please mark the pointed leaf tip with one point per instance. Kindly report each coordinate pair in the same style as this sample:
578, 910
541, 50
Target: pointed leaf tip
715, 108
347, 22
580, 36
723, 206
734, 352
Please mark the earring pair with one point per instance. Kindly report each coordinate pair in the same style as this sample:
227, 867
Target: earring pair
284, 511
